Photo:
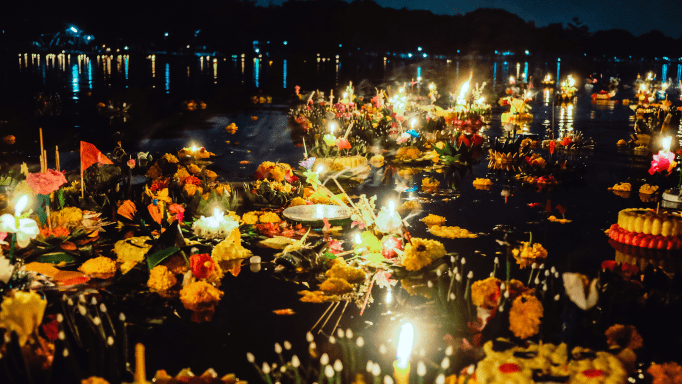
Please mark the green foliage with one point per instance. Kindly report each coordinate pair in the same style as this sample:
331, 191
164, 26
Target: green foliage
154, 259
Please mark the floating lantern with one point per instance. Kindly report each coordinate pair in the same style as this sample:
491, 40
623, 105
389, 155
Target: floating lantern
388, 220
216, 226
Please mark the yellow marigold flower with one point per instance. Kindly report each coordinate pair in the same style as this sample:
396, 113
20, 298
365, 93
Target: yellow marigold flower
450, 232
429, 182
623, 336
527, 255
336, 285
408, 153
277, 174
296, 201
194, 169
421, 252
191, 189
316, 297
210, 174
440, 145
94, 380
377, 161
205, 196
223, 188
524, 316
176, 264
170, 158
432, 219
250, 218
200, 296
350, 274
181, 173
154, 172
161, 279
22, 312
68, 217
131, 251
269, 217
98, 266
486, 293
666, 373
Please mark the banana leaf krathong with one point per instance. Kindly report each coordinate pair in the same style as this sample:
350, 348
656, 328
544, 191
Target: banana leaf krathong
266, 197
463, 150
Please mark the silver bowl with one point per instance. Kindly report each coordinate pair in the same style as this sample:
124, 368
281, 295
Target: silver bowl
316, 212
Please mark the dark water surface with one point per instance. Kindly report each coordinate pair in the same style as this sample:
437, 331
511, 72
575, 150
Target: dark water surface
244, 320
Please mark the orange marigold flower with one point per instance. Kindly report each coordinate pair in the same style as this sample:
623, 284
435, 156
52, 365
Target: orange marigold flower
623, 336
667, 373
486, 293
524, 316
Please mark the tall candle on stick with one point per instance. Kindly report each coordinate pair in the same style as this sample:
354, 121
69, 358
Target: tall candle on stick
401, 367
140, 369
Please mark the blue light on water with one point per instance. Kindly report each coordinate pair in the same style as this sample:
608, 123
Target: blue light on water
664, 73
419, 71
256, 72
167, 77
89, 74
125, 63
679, 73
74, 74
495, 75
284, 85
525, 69
558, 70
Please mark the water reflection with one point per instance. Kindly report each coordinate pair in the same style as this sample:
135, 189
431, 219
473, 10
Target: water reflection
558, 70
284, 85
256, 72
167, 77
215, 71
494, 76
74, 82
89, 74
566, 117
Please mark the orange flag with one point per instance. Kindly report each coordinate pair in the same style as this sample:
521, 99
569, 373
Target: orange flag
91, 155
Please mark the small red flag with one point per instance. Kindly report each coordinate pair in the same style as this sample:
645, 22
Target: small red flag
91, 155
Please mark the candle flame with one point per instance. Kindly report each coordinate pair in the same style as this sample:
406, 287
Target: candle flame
391, 206
571, 81
332, 127
21, 205
405, 344
358, 239
462, 93
511, 79
548, 77
320, 169
666, 143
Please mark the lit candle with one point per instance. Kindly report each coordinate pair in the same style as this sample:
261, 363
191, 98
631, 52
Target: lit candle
332, 127
215, 226
666, 143
401, 367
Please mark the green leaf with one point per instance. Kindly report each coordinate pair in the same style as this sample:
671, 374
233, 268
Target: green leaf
154, 259
375, 258
330, 255
55, 258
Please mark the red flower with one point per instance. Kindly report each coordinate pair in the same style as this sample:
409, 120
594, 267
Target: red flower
202, 265
335, 246
389, 247
290, 177
192, 180
476, 140
159, 185
664, 161
177, 210
342, 143
45, 183
462, 139
608, 264
566, 141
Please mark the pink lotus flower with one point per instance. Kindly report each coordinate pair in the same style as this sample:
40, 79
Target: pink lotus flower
342, 143
177, 210
45, 183
664, 161
131, 163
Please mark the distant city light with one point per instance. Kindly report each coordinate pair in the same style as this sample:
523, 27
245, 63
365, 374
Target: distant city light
125, 48
74, 29
257, 50
424, 54
285, 42
340, 45
409, 55
527, 53
166, 34
419, 49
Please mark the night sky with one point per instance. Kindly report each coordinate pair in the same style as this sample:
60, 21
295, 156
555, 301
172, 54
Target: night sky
636, 16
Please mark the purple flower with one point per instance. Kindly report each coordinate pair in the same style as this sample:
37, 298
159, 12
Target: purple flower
307, 163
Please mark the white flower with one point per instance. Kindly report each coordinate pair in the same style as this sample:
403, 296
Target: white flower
573, 283
26, 229
6, 269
